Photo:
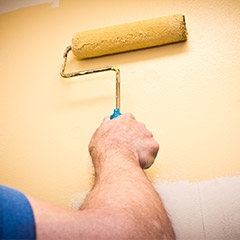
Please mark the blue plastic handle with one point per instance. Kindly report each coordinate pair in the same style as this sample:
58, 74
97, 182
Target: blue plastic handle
116, 113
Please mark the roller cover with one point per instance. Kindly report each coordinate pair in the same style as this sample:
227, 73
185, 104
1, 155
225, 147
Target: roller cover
129, 36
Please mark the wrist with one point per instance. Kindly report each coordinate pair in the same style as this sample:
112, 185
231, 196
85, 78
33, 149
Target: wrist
114, 157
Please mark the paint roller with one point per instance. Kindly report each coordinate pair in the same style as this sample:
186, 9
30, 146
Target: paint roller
123, 38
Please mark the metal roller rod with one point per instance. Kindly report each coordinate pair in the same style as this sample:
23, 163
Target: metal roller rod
90, 71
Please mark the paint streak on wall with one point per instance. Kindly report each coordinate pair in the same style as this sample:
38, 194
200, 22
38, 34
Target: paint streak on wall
186, 93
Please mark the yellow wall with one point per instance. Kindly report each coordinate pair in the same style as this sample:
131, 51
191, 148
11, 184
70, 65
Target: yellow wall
188, 94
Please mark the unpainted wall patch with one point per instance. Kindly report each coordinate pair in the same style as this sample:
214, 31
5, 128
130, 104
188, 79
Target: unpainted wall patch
198, 210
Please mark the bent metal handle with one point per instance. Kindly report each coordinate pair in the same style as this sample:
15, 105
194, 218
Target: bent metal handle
116, 112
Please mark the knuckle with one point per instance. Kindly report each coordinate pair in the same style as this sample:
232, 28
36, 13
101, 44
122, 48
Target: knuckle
141, 125
155, 146
90, 147
149, 134
128, 115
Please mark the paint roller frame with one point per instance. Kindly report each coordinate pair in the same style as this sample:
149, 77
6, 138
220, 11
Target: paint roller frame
90, 71
144, 34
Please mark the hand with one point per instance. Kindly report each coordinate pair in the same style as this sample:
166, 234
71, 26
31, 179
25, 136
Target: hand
124, 136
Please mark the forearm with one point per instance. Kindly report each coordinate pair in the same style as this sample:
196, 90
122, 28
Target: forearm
123, 203
123, 191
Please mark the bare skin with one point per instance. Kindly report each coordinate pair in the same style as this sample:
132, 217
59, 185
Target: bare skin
123, 203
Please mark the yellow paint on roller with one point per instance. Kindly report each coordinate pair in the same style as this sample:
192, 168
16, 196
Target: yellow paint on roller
129, 36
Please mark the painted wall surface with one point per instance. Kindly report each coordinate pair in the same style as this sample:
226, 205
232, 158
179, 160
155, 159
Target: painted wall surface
188, 94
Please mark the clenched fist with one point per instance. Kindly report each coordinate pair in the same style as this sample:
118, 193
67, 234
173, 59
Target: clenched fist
123, 137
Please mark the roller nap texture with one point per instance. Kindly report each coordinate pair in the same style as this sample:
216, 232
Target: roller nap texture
129, 36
